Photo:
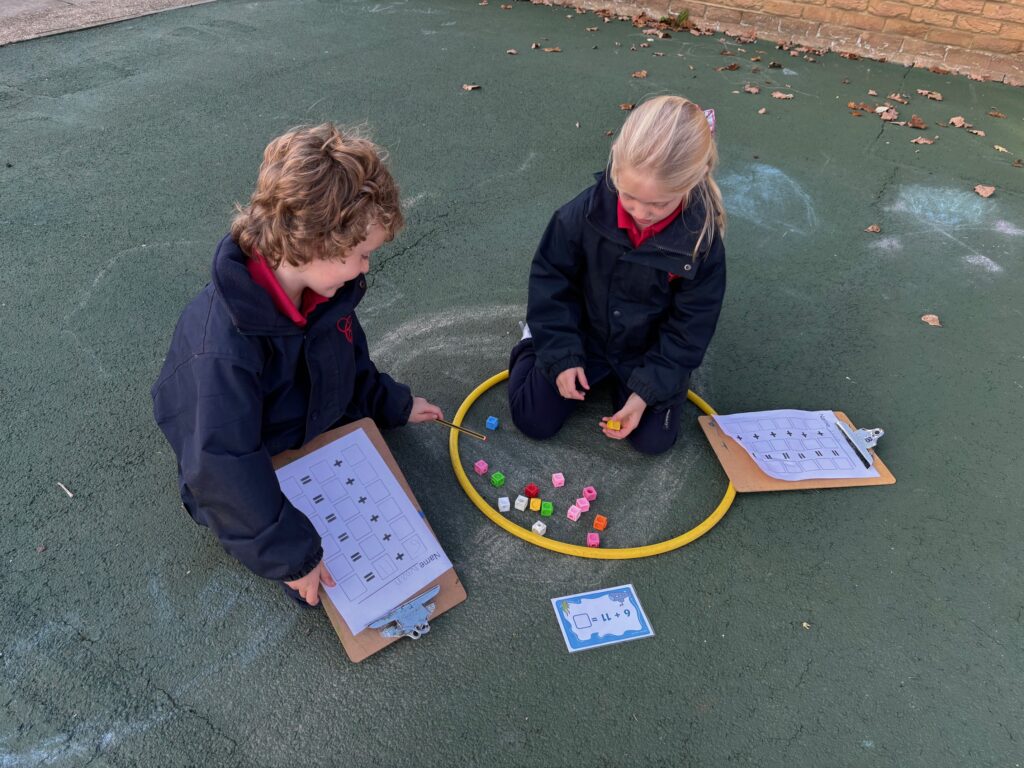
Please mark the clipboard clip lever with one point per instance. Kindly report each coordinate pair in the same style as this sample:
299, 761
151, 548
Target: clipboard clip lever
409, 619
862, 440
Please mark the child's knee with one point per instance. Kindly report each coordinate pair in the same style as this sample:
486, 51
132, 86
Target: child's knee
654, 443
535, 428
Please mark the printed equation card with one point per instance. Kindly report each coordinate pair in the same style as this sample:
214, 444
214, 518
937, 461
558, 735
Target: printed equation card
603, 617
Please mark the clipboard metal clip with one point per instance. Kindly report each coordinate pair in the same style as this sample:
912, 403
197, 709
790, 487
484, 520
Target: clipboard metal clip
409, 619
861, 440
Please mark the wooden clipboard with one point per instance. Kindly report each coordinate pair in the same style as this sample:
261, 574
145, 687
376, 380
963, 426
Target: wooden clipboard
369, 641
747, 477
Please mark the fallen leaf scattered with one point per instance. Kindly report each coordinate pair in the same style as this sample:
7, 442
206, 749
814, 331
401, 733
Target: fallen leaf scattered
998, 148
506, 6
805, 625
861, 106
512, 52
872, 92
774, 65
534, 46
65, 489
957, 121
932, 320
933, 95
975, 131
922, 140
900, 97
917, 122
1018, 163
591, 29
874, 228
609, 133
984, 190
754, 89
996, 113
762, 111
41, 548
728, 68
555, 49
626, 106
640, 74
781, 96
888, 114
470, 87
755, 58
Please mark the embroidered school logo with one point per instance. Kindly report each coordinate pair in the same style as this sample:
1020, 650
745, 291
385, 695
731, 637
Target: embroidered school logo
344, 326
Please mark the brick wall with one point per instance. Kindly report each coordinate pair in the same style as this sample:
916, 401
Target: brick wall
983, 39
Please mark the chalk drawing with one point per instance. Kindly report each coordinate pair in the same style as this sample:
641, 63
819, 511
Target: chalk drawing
886, 244
1006, 228
767, 197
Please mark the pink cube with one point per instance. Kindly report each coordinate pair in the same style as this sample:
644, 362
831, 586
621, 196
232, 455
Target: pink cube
583, 504
558, 479
593, 540
480, 467
574, 513
590, 493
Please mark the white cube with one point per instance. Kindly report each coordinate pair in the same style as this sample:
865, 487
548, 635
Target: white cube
539, 528
521, 503
503, 504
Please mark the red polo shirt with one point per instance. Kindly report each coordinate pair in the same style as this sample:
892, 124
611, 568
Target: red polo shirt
637, 235
264, 277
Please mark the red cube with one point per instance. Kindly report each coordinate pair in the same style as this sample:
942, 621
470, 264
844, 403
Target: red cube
531, 491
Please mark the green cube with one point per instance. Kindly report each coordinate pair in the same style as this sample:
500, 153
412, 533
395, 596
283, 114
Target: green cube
547, 509
497, 479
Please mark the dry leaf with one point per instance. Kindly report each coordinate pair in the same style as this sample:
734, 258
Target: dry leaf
640, 74
590, 29
41, 548
512, 52
506, 6
774, 65
975, 132
482, 2
984, 190
917, 122
805, 625
861, 106
728, 68
900, 97
657, 53
932, 320
609, 133
922, 140
781, 96
726, 53
534, 46
888, 114
762, 111
470, 87
933, 95
754, 89
1018, 163
872, 92
996, 113
553, 50
997, 148
957, 121
626, 106
755, 58
645, 45
874, 228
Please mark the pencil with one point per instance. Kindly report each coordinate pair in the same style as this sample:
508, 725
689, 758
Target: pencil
469, 432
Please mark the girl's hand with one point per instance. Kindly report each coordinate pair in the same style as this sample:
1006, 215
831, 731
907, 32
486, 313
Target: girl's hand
309, 585
423, 411
629, 415
566, 383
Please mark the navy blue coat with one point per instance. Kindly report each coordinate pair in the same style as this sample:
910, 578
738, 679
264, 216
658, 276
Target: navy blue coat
240, 383
593, 297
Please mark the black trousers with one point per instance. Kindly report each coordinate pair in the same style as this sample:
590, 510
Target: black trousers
539, 411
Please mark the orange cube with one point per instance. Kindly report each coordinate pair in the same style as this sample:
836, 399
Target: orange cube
600, 522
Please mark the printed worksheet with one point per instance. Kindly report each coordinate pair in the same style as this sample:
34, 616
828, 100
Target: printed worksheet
603, 617
377, 547
795, 445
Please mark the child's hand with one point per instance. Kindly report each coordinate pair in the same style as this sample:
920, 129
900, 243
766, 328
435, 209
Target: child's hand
309, 585
424, 411
629, 415
566, 383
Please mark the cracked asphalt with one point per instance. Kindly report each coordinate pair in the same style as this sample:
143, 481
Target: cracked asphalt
127, 636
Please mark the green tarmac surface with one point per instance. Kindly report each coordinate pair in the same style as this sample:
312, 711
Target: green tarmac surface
132, 639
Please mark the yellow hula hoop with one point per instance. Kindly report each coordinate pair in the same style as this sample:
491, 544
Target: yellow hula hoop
600, 553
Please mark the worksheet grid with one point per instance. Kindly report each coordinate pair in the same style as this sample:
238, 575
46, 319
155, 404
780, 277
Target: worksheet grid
366, 537
787, 446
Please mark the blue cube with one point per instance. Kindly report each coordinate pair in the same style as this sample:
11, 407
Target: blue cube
492, 423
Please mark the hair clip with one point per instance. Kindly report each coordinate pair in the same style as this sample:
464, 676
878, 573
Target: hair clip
710, 115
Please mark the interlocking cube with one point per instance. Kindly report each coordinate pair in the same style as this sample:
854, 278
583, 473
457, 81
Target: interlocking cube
590, 493
497, 479
600, 522
583, 504
614, 426
593, 540
574, 513
540, 528
535, 504
531, 491
521, 503
492, 423
558, 479
480, 467
503, 504
547, 509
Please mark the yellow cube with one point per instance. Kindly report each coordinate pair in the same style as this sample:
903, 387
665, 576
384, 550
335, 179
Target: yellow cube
535, 504
615, 426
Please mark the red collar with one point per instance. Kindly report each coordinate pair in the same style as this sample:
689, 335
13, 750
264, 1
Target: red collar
636, 235
265, 278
